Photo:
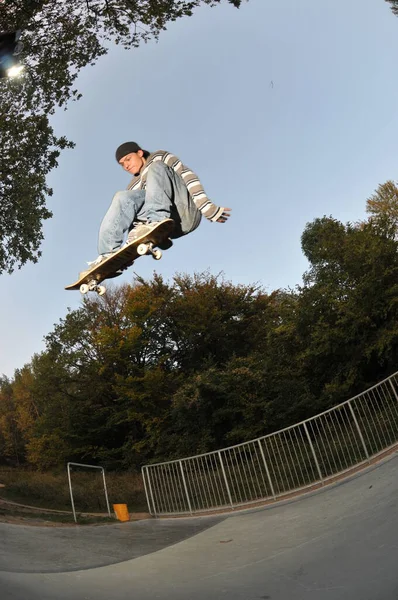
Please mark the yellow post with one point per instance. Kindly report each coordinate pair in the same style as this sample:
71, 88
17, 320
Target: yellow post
121, 512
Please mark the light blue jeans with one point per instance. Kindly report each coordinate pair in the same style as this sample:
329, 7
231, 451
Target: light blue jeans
165, 196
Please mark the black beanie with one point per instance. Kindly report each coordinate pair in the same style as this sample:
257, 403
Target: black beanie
125, 149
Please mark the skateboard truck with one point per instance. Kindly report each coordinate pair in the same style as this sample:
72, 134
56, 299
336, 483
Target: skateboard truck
147, 248
92, 286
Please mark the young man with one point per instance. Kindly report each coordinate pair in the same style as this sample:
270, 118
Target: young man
162, 188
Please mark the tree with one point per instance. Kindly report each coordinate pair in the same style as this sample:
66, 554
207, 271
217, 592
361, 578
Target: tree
394, 6
29, 150
348, 312
59, 39
383, 205
104, 386
249, 397
11, 442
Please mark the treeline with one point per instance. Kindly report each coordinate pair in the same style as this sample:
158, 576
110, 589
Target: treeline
159, 370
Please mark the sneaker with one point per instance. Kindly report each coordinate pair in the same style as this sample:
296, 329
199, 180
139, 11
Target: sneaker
141, 229
138, 230
93, 263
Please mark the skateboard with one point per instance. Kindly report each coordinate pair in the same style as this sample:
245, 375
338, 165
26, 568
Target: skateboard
124, 258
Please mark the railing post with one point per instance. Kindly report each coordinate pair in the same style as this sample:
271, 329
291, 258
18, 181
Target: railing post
106, 491
70, 484
225, 480
266, 469
71, 493
185, 487
155, 512
358, 429
313, 452
143, 470
393, 390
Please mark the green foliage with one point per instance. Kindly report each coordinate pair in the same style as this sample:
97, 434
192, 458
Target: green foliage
244, 400
51, 490
394, 6
347, 320
29, 151
59, 39
383, 206
11, 441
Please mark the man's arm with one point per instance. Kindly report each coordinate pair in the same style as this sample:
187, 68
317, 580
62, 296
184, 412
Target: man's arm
194, 186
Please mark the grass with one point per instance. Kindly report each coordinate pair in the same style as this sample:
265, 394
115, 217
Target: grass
51, 490
56, 518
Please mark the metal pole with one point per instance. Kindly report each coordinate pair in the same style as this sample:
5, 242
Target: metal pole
71, 494
393, 389
150, 491
185, 487
313, 452
359, 431
70, 484
106, 492
225, 479
266, 469
146, 489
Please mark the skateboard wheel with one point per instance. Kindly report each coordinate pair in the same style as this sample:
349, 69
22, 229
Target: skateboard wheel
142, 249
84, 288
157, 254
101, 289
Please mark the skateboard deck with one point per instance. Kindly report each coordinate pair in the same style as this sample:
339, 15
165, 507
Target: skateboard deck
124, 258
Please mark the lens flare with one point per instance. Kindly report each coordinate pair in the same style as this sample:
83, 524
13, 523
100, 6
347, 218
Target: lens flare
15, 71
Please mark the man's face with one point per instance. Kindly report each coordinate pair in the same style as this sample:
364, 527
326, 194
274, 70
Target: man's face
133, 162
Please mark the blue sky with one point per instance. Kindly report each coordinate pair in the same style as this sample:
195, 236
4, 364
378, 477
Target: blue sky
317, 140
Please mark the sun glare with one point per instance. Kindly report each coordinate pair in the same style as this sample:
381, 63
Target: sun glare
15, 71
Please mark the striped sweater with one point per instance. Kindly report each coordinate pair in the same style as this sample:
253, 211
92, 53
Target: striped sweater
195, 188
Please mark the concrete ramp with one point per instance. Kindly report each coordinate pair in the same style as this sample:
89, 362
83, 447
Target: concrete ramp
337, 544
25, 549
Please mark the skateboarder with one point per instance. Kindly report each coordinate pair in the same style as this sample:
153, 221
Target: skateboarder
162, 188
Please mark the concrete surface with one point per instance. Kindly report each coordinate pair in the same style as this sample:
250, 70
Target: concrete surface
25, 549
341, 543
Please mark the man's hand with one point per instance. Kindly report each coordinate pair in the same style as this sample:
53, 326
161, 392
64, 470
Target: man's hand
225, 215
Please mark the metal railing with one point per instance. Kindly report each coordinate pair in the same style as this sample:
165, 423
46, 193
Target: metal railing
292, 459
68, 468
